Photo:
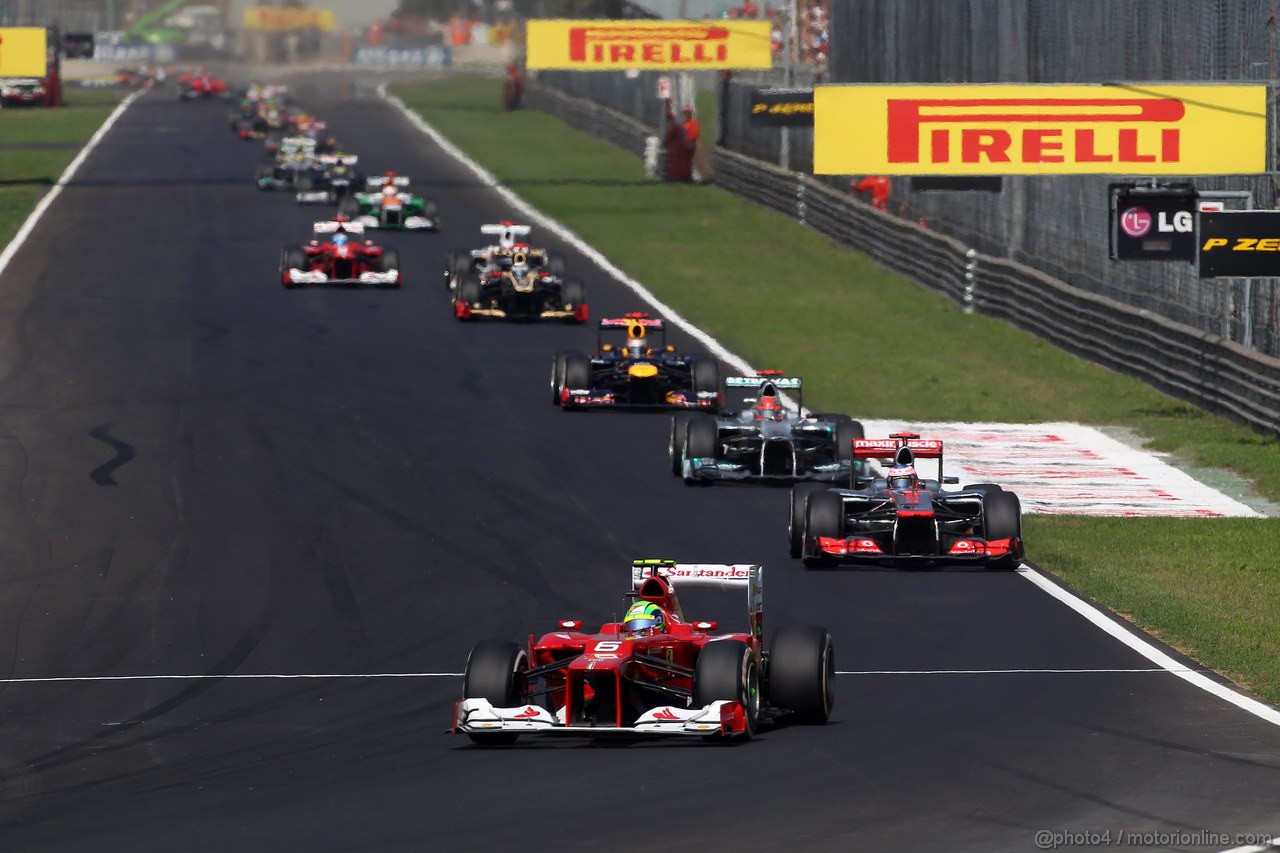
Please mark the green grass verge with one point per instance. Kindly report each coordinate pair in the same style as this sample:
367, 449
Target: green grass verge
27, 173
781, 296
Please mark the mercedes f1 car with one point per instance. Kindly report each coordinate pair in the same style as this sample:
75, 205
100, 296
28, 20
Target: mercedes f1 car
654, 673
485, 260
901, 519
331, 179
517, 286
635, 374
766, 440
387, 205
340, 259
295, 156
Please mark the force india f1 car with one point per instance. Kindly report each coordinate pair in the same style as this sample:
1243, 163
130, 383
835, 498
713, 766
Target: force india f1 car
635, 374
656, 675
386, 205
340, 259
901, 519
766, 440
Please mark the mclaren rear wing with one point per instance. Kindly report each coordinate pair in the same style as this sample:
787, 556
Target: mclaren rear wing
891, 448
720, 576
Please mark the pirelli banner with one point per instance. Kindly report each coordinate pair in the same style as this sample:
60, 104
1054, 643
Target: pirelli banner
647, 45
23, 52
1244, 244
287, 19
1040, 130
782, 107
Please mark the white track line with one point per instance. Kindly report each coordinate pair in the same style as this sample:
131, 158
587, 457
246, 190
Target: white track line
1138, 643
67, 174
1269, 844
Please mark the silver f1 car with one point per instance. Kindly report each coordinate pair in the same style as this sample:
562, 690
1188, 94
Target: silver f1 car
766, 440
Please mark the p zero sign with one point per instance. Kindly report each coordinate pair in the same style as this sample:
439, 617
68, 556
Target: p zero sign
650, 45
1040, 130
1242, 243
1153, 223
23, 52
782, 107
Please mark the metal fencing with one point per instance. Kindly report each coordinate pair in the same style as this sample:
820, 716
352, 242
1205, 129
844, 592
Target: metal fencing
1058, 225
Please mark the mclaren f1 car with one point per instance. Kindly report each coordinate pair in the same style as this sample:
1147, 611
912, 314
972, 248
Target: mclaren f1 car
638, 372
901, 519
653, 673
337, 255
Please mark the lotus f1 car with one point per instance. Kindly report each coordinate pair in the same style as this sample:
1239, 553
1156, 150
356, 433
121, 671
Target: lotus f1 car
340, 259
486, 260
517, 286
661, 675
635, 373
387, 205
766, 440
901, 519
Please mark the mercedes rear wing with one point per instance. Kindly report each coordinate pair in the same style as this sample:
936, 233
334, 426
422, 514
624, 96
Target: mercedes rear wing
737, 397
339, 159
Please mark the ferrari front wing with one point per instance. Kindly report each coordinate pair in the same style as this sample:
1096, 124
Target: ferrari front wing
479, 716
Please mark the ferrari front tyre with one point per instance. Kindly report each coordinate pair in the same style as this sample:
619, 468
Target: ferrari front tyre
706, 375
557, 376
802, 668
800, 493
823, 517
573, 293
675, 443
727, 671
389, 261
577, 371
1002, 519
495, 672
291, 257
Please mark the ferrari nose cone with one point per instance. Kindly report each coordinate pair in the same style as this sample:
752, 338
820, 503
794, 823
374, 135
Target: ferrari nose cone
642, 371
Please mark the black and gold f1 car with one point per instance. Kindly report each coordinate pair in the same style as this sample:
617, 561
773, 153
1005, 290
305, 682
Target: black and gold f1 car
636, 373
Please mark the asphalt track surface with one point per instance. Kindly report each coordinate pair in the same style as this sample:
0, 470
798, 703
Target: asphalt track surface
204, 474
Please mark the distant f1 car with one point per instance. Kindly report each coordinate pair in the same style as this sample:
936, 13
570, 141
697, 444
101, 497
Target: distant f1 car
331, 179
294, 157
634, 374
654, 673
517, 286
201, 84
340, 259
901, 519
766, 440
387, 205
486, 259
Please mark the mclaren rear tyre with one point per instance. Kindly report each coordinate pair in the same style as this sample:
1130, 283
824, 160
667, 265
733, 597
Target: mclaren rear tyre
800, 493
675, 442
291, 257
728, 671
706, 375
389, 262
700, 440
577, 373
495, 672
573, 293
1002, 519
823, 516
469, 293
802, 669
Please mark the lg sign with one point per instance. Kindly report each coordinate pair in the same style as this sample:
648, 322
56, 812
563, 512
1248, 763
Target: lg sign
1136, 222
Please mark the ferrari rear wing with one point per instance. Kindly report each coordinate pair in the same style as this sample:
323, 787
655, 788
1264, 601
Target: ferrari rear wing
332, 227
720, 576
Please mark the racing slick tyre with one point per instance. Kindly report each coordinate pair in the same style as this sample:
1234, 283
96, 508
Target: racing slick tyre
728, 671
495, 672
799, 503
390, 262
706, 375
802, 667
460, 264
430, 211
468, 292
846, 432
983, 487
675, 443
823, 516
304, 182
555, 265
1002, 519
577, 372
573, 294
291, 257
265, 170
700, 440
557, 375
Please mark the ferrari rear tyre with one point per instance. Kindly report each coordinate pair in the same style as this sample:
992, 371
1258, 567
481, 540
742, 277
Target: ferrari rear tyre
800, 493
1002, 519
802, 668
389, 262
675, 442
701, 439
573, 293
728, 671
577, 371
824, 516
706, 375
495, 672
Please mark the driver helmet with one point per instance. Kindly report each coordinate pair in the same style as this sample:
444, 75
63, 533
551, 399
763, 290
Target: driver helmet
902, 477
340, 238
769, 408
390, 190
519, 270
644, 618
636, 347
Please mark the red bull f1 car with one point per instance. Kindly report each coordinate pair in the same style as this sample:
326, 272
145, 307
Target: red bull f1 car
339, 256
654, 673
902, 519
766, 439
635, 371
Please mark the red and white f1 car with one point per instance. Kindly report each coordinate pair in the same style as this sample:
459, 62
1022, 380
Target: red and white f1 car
675, 677
339, 259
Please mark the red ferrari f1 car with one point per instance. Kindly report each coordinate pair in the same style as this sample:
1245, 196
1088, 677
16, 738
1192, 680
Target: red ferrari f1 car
654, 673
340, 259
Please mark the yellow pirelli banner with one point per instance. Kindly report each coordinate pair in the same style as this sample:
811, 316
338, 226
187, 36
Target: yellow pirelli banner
22, 52
1040, 130
649, 45
280, 20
